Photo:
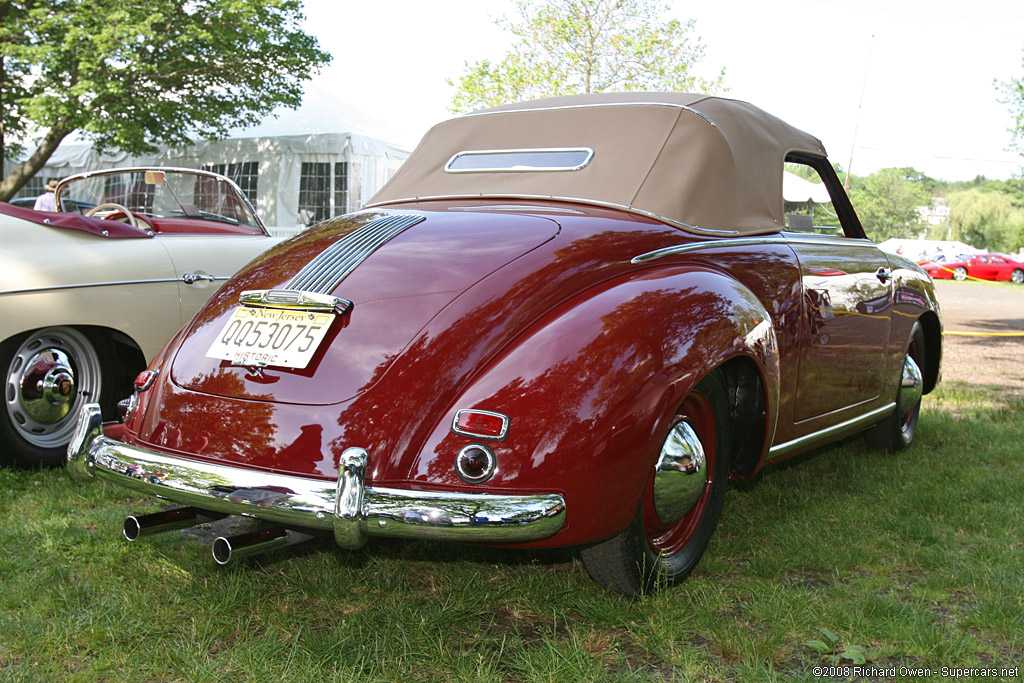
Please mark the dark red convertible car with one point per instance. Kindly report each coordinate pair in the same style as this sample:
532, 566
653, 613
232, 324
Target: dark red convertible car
566, 322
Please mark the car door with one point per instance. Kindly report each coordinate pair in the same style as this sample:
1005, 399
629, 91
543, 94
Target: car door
846, 308
203, 263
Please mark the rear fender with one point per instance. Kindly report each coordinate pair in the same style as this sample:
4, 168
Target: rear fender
591, 387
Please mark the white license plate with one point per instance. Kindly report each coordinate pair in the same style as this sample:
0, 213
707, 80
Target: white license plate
268, 336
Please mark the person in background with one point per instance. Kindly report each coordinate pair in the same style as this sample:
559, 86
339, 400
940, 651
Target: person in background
46, 201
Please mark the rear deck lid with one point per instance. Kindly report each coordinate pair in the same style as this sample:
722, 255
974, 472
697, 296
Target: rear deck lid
368, 282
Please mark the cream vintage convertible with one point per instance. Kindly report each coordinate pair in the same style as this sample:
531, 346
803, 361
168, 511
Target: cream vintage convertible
88, 299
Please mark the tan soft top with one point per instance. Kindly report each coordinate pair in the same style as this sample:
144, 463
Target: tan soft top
708, 164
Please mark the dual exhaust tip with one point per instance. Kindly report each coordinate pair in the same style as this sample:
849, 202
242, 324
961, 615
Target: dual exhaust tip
225, 549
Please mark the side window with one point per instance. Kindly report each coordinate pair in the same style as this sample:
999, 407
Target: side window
813, 199
807, 202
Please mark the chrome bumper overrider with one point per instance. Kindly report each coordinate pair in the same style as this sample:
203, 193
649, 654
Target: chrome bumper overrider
347, 507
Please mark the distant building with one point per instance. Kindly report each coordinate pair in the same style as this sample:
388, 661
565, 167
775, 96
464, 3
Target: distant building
292, 180
936, 214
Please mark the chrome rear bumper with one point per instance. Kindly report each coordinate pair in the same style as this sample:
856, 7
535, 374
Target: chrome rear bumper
347, 507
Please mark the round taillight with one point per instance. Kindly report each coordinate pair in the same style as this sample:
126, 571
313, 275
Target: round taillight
475, 464
126, 407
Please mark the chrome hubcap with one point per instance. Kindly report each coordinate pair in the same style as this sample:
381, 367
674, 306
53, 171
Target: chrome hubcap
681, 474
47, 386
911, 386
51, 375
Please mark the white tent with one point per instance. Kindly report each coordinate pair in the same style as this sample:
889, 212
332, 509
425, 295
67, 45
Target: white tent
334, 172
799, 191
929, 250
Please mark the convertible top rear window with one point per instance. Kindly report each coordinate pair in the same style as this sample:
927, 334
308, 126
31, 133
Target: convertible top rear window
518, 160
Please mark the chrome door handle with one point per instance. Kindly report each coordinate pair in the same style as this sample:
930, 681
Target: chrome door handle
192, 278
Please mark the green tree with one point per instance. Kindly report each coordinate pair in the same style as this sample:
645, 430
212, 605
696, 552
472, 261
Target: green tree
1013, 96
887, 201
986, 219
126, 75
569, 47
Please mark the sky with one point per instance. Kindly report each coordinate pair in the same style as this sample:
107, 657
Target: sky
883, 83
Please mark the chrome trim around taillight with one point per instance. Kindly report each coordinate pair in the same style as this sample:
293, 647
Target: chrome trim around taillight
477, 435
489, 469
347, 506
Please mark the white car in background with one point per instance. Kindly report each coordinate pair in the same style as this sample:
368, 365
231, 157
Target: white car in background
88, 298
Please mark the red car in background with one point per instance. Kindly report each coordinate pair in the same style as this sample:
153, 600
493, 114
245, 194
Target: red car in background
562, 323
979, 267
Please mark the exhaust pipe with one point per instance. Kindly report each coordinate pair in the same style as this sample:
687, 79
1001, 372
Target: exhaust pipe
231, 549
135, 527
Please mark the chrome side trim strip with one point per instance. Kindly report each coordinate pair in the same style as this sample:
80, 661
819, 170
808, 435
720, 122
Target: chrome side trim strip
349, 508
826, 240
84, 285
848, 425
715, 244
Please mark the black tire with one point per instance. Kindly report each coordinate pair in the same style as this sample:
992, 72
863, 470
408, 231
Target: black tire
648, 553
960, 273
49, 374
1017, 276
896, 432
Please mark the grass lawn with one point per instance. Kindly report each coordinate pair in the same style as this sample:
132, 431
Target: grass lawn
840, 556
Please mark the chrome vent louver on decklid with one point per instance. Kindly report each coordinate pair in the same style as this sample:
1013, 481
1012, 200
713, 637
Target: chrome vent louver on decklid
323, 274
310, 288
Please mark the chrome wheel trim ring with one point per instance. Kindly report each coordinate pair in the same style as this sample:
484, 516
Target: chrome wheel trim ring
42, 405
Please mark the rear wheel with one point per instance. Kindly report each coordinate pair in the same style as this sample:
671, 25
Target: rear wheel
960, 273
1017, 276
49, 375
897, 431
681, 501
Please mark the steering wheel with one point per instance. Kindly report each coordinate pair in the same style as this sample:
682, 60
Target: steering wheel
114, 208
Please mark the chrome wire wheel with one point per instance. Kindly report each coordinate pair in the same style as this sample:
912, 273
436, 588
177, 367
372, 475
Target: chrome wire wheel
51, 374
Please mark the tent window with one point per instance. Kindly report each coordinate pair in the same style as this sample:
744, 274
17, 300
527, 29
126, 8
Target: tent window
130, 191
341, 187
314, 192
34, 186
244, 174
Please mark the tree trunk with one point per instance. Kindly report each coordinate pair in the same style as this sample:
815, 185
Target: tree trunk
21, 175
